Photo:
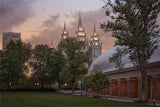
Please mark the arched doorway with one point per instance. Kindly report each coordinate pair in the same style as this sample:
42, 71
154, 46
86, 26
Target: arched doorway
123, 87
149, 87
133, 87
114, 85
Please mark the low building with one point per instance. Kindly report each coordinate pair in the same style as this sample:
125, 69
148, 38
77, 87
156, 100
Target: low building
128, 82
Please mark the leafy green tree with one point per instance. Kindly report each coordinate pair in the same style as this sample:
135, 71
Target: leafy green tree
76, 60
47, 63
66, 78
133, 24
40, 58
97, 80
117, 59
3, 83
13, 60
25, 83
55, 63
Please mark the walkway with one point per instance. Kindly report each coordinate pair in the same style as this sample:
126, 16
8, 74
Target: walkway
77, 92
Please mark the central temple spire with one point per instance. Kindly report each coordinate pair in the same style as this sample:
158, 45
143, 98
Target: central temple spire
64, 26
80, 21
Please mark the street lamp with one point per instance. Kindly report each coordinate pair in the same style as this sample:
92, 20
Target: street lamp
65, 84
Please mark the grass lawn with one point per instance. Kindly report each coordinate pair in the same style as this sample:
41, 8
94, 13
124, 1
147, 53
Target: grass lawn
51, 99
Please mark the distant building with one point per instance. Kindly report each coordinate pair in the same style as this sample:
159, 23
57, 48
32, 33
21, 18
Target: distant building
94, 46
65, 32
7, 36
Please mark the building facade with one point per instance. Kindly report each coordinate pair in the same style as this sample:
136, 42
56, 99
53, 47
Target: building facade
7, 36
94, 46
127, 83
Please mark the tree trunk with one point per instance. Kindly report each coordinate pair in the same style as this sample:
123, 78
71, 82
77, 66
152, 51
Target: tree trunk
144, 96
142, 63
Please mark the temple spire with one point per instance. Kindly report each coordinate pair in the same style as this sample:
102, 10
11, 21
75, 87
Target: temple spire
94, 30
64, 26
80, 21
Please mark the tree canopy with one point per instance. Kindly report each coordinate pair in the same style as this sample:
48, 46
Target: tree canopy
76, 61
133, 24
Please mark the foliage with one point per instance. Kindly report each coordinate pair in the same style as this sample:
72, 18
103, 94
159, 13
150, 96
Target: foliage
117, 59
41, 56
13, 60
47, 63
56, 63
133, 24
97, 80
76, 60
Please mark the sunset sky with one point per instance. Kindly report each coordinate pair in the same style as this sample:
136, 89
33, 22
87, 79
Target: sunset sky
40, 21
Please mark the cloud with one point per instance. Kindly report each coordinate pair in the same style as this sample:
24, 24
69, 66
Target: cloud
49, 30
89, 18
52, 29
51, 22
14, 13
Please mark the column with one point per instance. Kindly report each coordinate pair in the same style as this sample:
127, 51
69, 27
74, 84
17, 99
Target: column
118, 83
128, 87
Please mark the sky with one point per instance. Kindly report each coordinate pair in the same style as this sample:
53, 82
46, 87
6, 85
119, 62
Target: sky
41, 21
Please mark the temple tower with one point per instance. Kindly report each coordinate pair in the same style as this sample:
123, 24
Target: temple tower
96, 45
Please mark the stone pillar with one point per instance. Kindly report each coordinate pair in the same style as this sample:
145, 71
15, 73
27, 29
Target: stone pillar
128, 87
110, 85
154, 82
118, 83
139, 87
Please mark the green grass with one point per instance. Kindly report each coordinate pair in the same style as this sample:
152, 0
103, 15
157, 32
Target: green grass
51, 99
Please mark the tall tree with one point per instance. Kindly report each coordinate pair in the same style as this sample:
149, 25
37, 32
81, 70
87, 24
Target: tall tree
13, 60
40, 58
76, 60
133, 24
56, 63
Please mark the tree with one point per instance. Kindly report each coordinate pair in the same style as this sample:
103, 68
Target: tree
76, 60
40, 58
133, 24
13, 60
117, 59
56, 63
97, 80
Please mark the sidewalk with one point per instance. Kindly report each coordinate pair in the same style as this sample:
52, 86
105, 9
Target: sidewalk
78, 92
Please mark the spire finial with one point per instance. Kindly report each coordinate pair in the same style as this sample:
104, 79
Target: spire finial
80, 21
64, 25
94, 30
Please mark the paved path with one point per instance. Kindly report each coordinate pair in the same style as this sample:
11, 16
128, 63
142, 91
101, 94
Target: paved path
77, 92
